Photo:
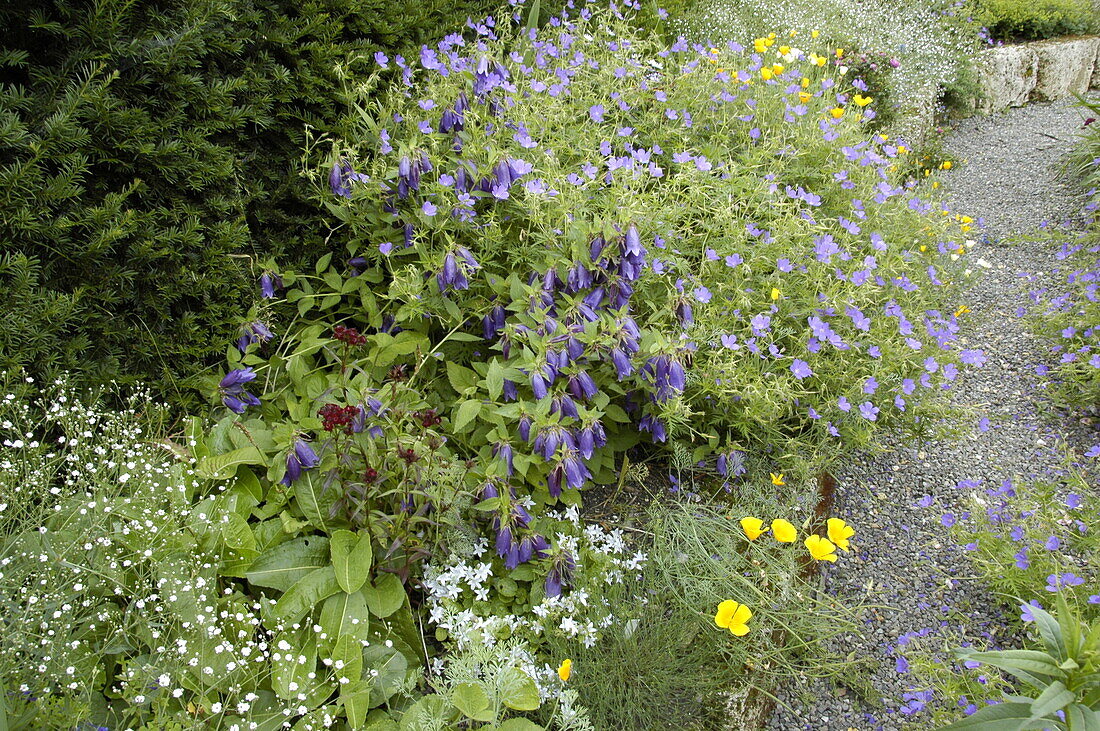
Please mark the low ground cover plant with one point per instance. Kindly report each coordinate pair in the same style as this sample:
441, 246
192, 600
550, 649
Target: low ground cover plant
1034, 544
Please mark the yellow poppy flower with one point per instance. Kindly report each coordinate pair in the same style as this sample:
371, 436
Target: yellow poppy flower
821, 60
760, 45
805, 82
815, 33
840, 532
565, 670
753, 527
861, 101
945, 165
766, 73
962, 311
935, 184
923, 247
783, 531
784, 50
776, 294
822, 549
734, 617
837, 112
840, 53
902, 149
777, 478
777, 68
804, 96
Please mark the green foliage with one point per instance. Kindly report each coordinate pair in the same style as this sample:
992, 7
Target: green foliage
1066, 316
663, 663
1030, 20
1084, 160
1062, 679
1031, 534
150, 155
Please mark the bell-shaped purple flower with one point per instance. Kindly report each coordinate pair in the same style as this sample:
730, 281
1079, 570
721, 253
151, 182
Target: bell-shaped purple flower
684, 312
623, 365
560, 575
554, 479
300, 457
268, 284
595, 249
503, 452
582, 387
524, 428
531, 546
538, 385
234, 381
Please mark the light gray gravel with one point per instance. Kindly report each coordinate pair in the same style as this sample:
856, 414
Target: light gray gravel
905, 563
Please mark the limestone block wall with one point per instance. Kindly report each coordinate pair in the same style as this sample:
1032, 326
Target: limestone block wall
1044, 71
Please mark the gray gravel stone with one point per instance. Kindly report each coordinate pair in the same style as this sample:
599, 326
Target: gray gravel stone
903, 561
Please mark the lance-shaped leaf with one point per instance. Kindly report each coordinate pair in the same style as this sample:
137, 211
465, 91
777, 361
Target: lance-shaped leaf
351, 558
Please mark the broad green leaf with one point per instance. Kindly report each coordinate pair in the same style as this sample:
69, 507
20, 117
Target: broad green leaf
224, 466
313, 503
472, 700
1029, 661
519, 724
517, 690
307, 593
238, 535
283, 566
355, 697
384, 595
290, 672
1056, 697
494, 380
390, 665
1001, 717
1051, 632
461, 377
466, 412
347, 660
344, 615
351, 558
1083, 718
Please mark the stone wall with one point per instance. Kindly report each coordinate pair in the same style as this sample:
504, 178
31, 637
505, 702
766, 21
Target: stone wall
1043, 71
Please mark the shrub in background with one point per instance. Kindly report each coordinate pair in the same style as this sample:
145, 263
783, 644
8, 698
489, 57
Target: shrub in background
150, 152
1031, 20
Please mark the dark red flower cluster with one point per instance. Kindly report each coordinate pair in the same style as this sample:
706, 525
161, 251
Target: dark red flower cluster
409, 455
370, 476
427, 418
337, 417
349, 335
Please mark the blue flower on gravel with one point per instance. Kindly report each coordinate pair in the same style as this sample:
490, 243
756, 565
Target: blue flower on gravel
948, 519
1073, 501
1053, 543
1055, 582
1025, 610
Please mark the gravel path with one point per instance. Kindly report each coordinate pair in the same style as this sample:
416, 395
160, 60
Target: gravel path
907, 566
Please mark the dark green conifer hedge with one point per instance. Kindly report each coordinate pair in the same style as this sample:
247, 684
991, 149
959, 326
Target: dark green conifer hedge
149, 156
